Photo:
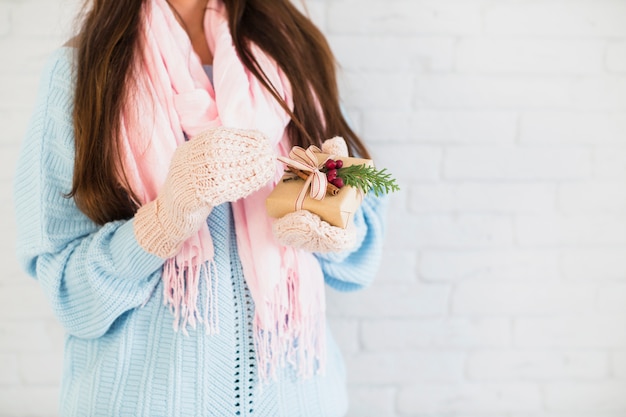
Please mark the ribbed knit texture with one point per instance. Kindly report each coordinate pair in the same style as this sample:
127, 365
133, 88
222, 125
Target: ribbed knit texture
122, 356
218, 165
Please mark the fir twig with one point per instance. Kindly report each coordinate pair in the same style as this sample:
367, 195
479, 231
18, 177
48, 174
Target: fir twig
368, 178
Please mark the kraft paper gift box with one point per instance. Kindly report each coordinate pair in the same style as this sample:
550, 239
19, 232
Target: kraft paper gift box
337, 210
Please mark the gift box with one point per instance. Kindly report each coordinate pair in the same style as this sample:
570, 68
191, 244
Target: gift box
337, 209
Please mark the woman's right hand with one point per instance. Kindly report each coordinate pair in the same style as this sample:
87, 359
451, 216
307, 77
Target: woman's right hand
215, 166
230, 164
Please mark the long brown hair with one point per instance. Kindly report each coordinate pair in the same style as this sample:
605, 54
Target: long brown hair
107, 47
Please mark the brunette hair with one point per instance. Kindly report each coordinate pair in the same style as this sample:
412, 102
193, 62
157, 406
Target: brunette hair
107, 47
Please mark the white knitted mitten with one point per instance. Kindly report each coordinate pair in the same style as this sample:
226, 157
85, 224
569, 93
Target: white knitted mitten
305, 230
335, 146
231, 164
216, 166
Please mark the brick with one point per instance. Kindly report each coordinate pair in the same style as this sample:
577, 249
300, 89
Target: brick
616, 56
45, 19
398, 266
482, 197
371, 401
408, 162
599, 93
19, 94
14, 124
377, 91
419, 54
387, 126
346, 333
8, 162
597, 264
466, 398
12, 273
440, 127
496, 264
484, 92
618, 363
6, 198
29, 401
600, 331
592, 197
8, 229
404, 17
605, 396
611, 298
516, 163
381, 301
5, 19
56, 333
405, 367
41, 368
510, 91
571, 230
562, 127
436, 333
530, 56
501, 365
440, 231
555, 18
609, 163
397, 206
10, 371
25, 56
30, 336
462, 127
24, 301
495, 297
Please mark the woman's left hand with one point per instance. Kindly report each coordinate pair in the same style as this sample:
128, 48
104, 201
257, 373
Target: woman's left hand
305, 230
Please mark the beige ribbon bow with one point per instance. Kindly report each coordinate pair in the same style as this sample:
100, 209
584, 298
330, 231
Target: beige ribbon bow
305, 160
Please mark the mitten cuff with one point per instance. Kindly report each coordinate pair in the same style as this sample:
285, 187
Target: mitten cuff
152, 235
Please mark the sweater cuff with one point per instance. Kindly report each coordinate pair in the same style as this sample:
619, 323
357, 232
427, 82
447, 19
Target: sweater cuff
130, 259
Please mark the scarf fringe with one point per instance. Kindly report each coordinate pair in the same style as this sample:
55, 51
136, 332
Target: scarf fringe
181, 278
287, 335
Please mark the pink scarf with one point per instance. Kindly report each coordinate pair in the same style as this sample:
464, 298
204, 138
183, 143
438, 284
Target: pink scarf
175, 96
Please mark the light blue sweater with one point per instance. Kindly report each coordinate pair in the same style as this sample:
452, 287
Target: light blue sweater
125, 359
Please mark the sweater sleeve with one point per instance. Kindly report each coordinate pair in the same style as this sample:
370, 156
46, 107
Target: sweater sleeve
357, 268
90, 274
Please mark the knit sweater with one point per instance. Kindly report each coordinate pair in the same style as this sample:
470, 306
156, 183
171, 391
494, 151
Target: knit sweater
122, 356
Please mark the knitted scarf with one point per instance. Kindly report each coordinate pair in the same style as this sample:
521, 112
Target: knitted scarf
174, 98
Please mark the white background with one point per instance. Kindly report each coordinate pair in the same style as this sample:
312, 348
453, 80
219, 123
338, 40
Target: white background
503, 290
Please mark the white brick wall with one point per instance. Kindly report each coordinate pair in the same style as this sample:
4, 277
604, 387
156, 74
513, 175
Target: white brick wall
503, 289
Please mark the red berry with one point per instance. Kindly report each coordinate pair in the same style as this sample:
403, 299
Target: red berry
331, 174
337, 182
330, 164
338, 164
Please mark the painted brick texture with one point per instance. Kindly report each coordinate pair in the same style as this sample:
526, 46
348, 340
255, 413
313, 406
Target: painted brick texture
503, 288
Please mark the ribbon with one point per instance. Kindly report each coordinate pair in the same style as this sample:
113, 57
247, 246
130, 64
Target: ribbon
305, 160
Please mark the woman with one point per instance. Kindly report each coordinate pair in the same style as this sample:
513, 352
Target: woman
140, 197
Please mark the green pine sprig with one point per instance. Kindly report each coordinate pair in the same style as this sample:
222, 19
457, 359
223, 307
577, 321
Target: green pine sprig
368, 178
